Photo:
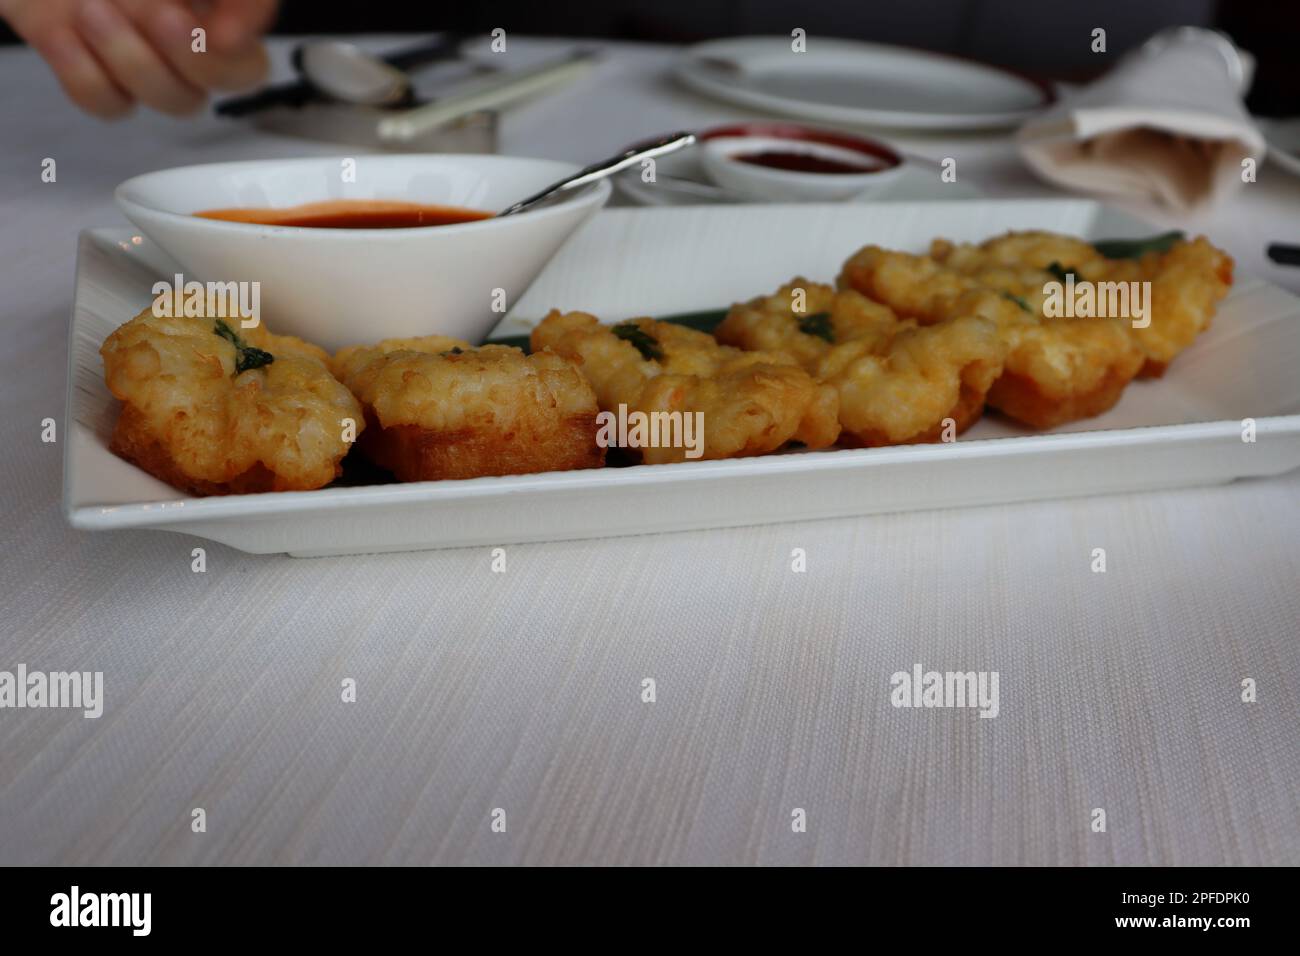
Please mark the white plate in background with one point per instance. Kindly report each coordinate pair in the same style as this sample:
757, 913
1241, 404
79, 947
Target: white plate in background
866, 84
1182, 430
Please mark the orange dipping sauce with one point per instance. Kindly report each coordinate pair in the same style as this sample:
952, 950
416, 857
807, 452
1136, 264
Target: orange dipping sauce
352, 214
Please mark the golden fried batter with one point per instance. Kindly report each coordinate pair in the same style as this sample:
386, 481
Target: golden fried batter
804, 320
1056, 370
1187, 281
191, 418
1029, 252
897, 382
752, 402
1187, 284
439, 408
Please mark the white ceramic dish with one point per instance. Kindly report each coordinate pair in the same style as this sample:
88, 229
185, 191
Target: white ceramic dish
723, 164
338, 286
865, 84
1184, 429
676, 185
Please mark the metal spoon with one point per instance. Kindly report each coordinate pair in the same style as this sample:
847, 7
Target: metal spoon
607, 167
345, 72
332, 63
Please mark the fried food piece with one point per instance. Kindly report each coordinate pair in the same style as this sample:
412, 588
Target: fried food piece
192, 418
908, 391
897, 383
804, 320
914, 287
1062, 370
1187, 284
1187, 281
1027, 254
1057, 370
439, 408
752, 402
348, 362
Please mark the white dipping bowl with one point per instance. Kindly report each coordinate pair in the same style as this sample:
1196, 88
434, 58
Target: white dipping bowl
723, 147
337, 287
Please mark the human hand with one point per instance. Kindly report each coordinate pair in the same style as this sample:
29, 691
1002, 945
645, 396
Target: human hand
110, 54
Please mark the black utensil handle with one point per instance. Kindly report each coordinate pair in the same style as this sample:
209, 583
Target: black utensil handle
1284, 254
295, 94
445, 46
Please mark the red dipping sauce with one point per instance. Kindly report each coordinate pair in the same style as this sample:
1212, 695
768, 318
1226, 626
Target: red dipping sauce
352, 214
809, 150
807, 162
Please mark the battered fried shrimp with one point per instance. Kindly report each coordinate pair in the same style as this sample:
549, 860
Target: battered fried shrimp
439, 408
1187, 281
1062, 370
897, 383
926, 380
350, 360
913, 286
1187, 284
212, 408
1031, 250
752, 402
804, 320
1057, 370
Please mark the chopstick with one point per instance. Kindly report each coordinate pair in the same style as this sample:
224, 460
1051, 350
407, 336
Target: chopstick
1284, 254
493, 91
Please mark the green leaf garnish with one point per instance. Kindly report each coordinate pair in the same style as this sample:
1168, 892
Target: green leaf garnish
1136, 248
818, 324
250, 357
645, 343
1060, 272
1017, 300
246, 356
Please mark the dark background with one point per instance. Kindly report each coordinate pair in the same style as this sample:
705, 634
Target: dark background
1047, 39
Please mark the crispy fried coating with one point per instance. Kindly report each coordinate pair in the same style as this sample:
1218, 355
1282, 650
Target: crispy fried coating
804, 320
194, 421
752, 402
1063, 370
909, 392
1057, 370
1187, 281
1187, 284
440, 408
1028, 253
897, 382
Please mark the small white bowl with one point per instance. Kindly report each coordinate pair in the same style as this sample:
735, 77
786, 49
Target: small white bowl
723, 149
337, 287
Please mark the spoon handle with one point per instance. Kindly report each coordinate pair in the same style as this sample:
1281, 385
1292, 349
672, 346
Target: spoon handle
606, 167
445, 46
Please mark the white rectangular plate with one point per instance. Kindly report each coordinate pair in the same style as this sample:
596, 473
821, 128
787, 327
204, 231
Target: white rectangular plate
1185, 429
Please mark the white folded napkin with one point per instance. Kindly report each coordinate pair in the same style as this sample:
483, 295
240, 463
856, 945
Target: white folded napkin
1167, 123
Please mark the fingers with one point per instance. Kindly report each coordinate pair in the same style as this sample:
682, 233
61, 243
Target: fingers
109, 53
170, 29
81, 76
132, 61
237, 23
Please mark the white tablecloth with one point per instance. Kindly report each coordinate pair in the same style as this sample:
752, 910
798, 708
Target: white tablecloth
523, 691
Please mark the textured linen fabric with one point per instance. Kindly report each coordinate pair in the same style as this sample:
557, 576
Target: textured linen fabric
522, 691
